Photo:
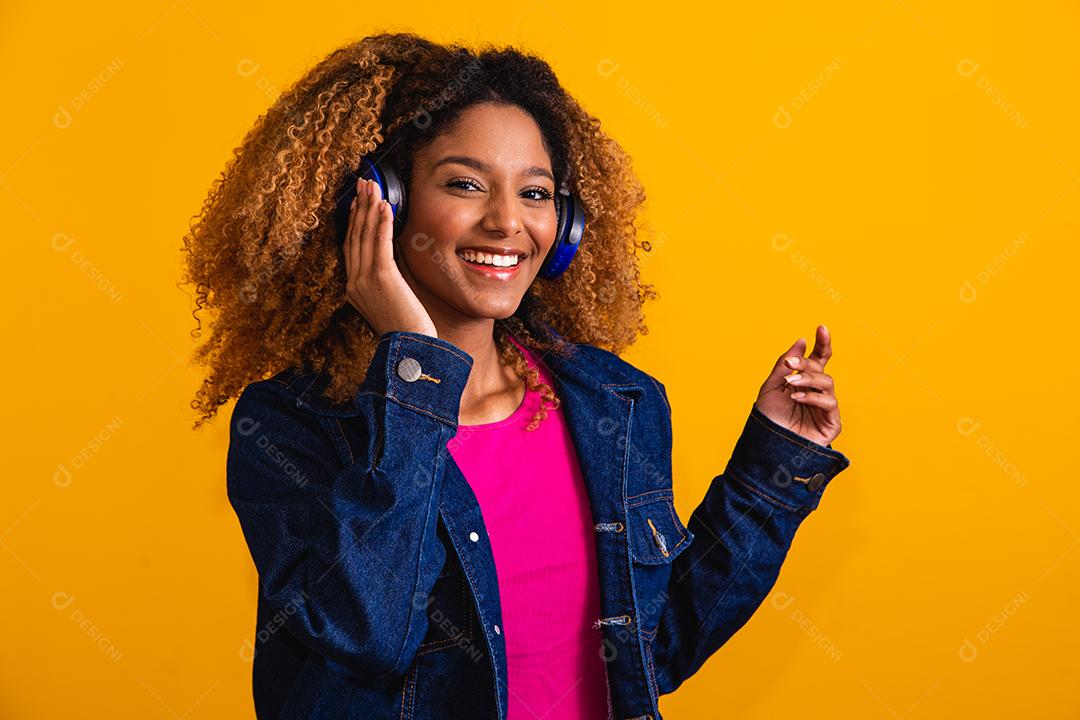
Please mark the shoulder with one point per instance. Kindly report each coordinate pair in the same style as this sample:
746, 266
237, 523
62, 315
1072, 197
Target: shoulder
610, 369
295, 390
276, 392
277, 406
270, 423
607, 365
276, 447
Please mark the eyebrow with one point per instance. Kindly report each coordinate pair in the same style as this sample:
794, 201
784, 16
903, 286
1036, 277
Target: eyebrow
534, 171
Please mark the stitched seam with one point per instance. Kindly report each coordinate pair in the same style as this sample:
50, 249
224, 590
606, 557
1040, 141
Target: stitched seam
658, 538
654, 557
677, 524
628, 569
352, 459
467, 610
666, 492
679, 527
767, 497
662, 394
408, 692
791, 440
399, 401
433, 645
613, 387
578, 350
412, 693
435, 345
380, 441
652, 668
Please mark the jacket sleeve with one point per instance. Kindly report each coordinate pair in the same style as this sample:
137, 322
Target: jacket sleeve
346, 556
742, 530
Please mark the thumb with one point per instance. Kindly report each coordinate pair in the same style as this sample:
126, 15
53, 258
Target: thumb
781, 368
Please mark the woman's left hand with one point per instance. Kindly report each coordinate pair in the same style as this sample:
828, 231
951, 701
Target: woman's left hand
799, 395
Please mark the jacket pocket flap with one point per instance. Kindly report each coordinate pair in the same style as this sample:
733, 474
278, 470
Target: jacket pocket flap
656, 533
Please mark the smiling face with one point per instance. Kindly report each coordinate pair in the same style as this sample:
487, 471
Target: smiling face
481, 215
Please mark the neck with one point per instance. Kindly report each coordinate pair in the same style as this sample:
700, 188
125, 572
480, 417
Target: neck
489, 378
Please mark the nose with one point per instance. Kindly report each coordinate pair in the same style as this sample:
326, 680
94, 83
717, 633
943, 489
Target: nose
502, 214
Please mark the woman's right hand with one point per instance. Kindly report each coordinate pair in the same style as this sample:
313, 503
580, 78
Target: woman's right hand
375, 285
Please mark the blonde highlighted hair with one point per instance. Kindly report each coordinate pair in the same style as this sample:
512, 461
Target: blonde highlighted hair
264, 255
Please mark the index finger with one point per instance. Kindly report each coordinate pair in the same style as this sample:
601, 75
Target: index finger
822, 346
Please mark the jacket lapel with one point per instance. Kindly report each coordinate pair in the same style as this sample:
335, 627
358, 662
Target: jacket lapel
599, 413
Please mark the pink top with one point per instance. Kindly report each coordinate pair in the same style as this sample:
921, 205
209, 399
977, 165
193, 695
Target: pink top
537, 514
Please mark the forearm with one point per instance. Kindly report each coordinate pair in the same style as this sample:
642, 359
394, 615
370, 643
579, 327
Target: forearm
743, 528
347, 549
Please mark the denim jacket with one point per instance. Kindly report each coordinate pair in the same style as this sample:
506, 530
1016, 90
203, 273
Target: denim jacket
378, 596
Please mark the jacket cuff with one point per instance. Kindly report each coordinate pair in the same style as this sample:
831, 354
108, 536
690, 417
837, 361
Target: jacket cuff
418, 371
783, 466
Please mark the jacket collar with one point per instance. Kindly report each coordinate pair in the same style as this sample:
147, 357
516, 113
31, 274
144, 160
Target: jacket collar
587, 369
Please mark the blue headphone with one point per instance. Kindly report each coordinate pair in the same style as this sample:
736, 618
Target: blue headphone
569, 227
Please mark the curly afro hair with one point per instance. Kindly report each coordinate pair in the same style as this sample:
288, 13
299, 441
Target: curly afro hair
265, 256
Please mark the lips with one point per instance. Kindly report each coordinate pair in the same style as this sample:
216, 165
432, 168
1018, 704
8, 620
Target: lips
495, 272
495, 250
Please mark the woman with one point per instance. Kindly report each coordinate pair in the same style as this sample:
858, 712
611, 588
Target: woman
458, 503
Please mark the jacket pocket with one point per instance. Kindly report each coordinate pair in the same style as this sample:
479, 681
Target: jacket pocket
656, 534
449, 622
656, 537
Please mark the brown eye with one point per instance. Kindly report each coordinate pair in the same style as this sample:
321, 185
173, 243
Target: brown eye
459, 182
545, 195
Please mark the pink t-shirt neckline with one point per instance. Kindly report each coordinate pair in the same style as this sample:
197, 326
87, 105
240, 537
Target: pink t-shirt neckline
529, 404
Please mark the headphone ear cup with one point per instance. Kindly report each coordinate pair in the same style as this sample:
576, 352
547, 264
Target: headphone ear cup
569, 229
390, 185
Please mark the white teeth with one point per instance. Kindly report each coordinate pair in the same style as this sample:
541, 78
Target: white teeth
490, 259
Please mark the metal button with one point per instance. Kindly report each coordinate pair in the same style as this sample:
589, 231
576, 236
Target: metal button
474, 537
816, 481
497, 630
409, 369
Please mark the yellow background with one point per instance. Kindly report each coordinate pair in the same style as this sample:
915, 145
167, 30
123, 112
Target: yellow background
904, 172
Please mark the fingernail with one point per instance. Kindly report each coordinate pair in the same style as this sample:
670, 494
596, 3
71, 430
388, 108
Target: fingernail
793, 377
792, 362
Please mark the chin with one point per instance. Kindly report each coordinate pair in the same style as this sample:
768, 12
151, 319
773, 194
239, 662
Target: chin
493, 310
